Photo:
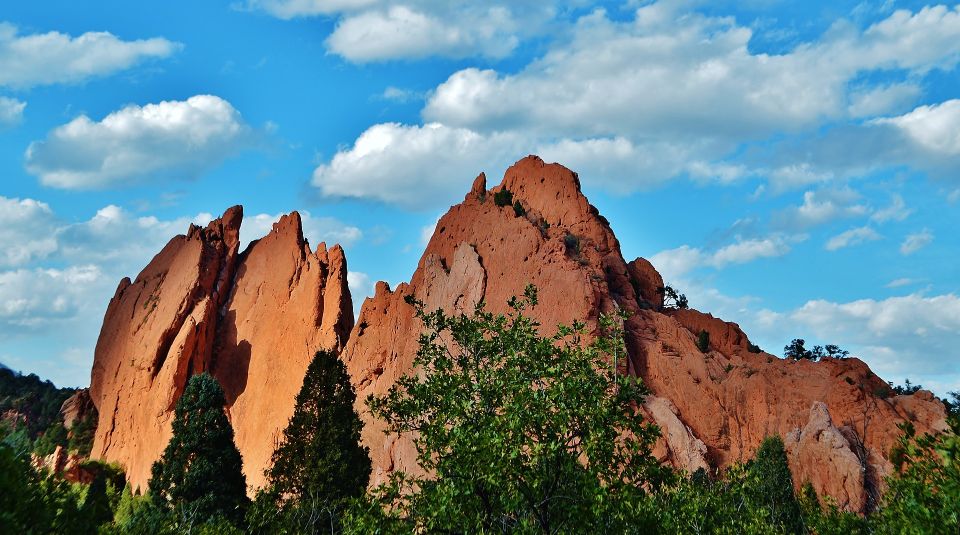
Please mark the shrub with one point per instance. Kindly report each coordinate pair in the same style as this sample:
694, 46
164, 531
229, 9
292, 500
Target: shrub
503, 197
572, 243
753, 348
703, 341
518, 433
518, 209
672, 299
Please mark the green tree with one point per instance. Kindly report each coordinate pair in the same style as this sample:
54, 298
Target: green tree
703, 341
770, 486
923, 495
796, 349
672, 299
518, 432
96, 508
320, 463
199, 475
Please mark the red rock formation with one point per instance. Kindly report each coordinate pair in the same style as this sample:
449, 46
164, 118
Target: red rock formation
77, 407
714, 408
200, 305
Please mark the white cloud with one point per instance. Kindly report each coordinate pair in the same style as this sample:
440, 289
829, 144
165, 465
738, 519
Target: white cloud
899, 337
897, 283
377, 30
914, 242
412, 166
11, 111
675, 264
854, 236
675, 73
819, 207
897, 211
934, 128
397, 94
175, 138
315, 229
744, 251
289, 9
53, 57
36, 298
401, 31
27, 231
671, 93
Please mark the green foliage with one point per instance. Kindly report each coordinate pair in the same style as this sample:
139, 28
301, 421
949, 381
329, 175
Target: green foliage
320, 463
753, 348
672, 299
96, 507
770, 488
47, 442
80, 436
572, 243
31, 503
923, 496
906, 389
503, 197
797, 350
518, 209
518, 432
199, 475
703, 341
36, 402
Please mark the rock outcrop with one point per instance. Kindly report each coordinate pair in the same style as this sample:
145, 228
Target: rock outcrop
77, 408
253, 319
714, 408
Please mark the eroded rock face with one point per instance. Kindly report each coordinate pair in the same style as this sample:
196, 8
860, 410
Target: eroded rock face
714, 408
77, 408
200, 305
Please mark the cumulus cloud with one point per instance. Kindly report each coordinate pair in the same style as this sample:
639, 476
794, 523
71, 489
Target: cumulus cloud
933, 128
289, 9
854, 236
27, 231
821, 206
413, 166
11, 111
35, 298
675, 264
377, 30
53, 57
673, 72
914, 242
907, 336
172, 138
675, 93
315, 229
402, 31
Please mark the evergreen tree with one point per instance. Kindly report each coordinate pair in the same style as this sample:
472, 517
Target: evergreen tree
771, 486
320, 459
199, 475
96, 506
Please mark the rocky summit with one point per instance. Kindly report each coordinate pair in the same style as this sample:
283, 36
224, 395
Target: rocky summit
254, 319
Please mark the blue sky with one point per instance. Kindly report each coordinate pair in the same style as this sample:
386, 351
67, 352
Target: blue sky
793, 167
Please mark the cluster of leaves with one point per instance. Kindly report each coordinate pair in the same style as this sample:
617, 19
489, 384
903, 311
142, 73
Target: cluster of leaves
703, 341
519, 432
797, 350
32, 408
515, 432
672, 299
504, 197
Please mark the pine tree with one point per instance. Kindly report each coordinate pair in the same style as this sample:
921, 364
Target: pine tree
771, 486
320, 458
199, 475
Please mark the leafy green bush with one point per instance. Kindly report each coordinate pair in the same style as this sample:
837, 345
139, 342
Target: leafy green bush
503, 197
703, 341
518, 209
518, 432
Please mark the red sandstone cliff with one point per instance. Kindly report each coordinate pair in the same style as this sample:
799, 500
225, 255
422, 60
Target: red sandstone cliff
714, 408
252, 319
